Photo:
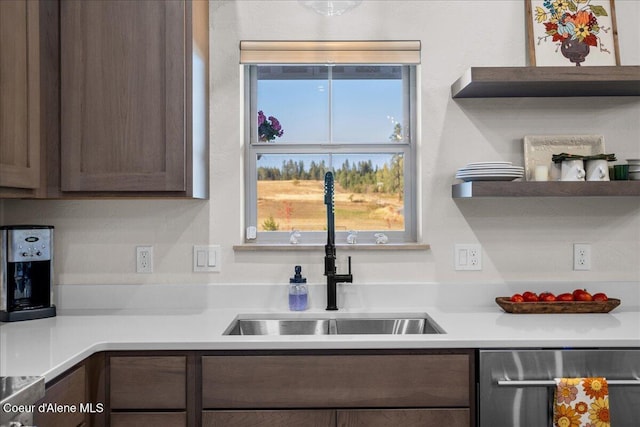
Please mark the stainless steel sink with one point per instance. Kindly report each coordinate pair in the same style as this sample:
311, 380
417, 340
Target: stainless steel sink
278, 327
385, 325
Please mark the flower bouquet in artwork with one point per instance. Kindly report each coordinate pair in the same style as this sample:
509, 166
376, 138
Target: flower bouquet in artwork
269, 128
572, 31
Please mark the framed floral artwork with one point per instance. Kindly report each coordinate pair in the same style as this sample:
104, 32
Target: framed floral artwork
572, 32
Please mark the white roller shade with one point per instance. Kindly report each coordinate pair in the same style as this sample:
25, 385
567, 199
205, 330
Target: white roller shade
329, 52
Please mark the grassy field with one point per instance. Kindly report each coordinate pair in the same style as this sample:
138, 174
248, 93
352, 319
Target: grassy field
299, 205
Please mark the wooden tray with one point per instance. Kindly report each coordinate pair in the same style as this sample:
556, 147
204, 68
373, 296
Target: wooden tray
557, 306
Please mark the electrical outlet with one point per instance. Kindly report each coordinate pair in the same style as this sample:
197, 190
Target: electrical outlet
468, 256
581, 256
144, 259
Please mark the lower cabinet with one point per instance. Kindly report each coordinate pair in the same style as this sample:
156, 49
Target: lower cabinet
311, 388
360, 388
404, 417
149, 419
147, 391
340, 418
336, 381
283, 418
68, 390
147, 382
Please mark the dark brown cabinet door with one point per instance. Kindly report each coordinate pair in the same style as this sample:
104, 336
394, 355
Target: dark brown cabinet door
404, 418
153, 382
342, 418
286, 418
149, 419
19, 94
123, 95
70, 390
336, 381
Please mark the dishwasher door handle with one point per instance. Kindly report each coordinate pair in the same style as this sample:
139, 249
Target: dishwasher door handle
552, 383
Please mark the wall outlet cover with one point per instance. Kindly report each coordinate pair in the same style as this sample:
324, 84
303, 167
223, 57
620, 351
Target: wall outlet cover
468, 256
144, 259
581, 256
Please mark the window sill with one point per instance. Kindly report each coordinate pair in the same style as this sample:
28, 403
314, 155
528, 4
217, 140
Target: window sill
254, 247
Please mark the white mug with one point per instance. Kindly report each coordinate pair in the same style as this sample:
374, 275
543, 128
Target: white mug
572, 170
597, 170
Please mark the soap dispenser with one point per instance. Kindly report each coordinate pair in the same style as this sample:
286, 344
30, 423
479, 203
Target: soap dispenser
298, 293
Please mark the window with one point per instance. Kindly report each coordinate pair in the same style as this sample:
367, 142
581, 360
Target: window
355, 119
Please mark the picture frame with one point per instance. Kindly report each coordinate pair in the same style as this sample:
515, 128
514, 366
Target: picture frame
580, 33
539, 149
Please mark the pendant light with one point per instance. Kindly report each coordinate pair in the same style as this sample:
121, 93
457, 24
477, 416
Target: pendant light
330, 7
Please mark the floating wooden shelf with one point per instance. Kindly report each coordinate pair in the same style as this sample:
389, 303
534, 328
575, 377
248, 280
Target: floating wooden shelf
498, 82
545, 189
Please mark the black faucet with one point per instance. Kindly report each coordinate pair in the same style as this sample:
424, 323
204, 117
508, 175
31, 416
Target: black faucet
330, 248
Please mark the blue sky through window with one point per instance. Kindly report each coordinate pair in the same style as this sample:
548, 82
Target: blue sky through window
364, 110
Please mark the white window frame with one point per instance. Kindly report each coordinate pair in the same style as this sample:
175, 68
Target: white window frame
408, 147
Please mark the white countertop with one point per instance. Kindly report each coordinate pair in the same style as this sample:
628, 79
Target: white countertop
47, 347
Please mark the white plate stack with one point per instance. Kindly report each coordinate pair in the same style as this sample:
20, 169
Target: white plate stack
490, 171
634, 169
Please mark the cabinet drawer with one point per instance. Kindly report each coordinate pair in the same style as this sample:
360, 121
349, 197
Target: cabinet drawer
70, 390
141, 382
282, 418
404, 418
149, 419
336, 381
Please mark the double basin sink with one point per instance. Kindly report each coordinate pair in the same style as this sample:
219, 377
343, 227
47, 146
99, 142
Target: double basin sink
347, 325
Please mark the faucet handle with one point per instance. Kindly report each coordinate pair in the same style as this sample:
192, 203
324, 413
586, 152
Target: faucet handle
349, 263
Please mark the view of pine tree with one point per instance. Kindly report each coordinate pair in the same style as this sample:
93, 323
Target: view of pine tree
360, 177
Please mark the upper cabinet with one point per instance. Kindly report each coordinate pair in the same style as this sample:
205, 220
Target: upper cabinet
19, 98
133, 98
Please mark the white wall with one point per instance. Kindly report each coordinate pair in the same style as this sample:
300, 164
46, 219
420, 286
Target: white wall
522, 239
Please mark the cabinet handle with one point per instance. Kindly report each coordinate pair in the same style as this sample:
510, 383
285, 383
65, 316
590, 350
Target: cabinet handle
552, 383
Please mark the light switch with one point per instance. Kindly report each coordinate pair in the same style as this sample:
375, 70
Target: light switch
206, 258
201, 258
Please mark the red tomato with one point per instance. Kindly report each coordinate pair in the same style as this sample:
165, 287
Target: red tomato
584, 296
578, 292
547, 297
600, 296
516, 298
530, 297
564, 297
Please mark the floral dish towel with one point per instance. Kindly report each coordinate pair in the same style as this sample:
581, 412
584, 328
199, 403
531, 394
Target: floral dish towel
581, 402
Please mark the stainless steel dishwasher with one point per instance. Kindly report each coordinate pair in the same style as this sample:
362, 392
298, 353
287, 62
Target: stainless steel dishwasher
516, 387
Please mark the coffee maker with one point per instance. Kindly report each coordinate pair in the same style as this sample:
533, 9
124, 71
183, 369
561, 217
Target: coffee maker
26, 272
